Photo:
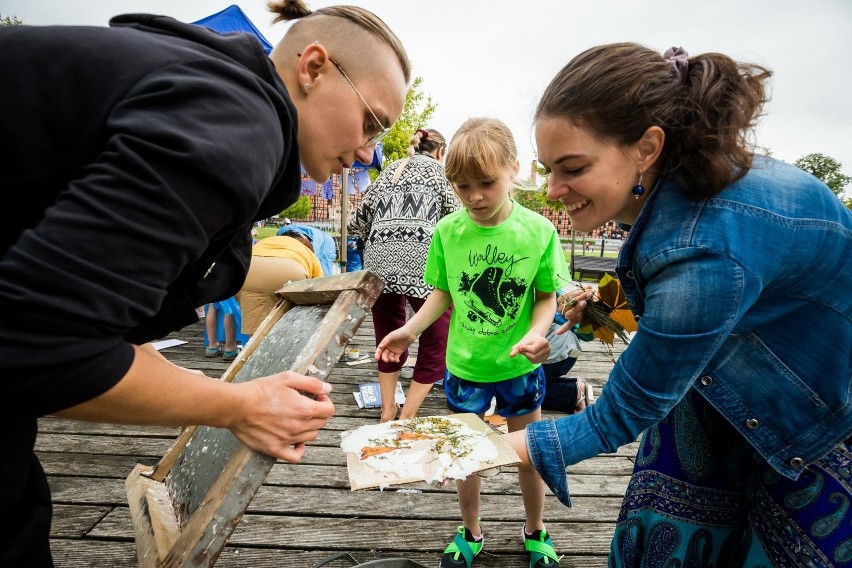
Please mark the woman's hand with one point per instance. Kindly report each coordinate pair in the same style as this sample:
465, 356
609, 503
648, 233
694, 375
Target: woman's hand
518, 441
570, 305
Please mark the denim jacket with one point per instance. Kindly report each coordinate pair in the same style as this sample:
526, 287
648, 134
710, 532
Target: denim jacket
745, 297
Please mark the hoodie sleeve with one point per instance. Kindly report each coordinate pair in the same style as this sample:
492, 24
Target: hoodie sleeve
189, 154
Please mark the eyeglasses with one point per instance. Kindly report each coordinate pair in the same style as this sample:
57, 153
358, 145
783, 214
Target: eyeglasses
376, 138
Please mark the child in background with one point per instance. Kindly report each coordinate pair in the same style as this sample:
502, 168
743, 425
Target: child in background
222, 334
500, 265
564, 394
354, 254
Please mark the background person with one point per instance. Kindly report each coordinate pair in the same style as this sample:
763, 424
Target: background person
175, 141
274, 262
396, 220
564, 394
500, 265
322, 244
744, 415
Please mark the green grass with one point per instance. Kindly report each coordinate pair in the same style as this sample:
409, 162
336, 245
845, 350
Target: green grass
607, 254
267, 231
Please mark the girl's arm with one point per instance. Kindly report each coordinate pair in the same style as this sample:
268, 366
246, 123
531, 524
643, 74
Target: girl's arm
396, 342
534, 345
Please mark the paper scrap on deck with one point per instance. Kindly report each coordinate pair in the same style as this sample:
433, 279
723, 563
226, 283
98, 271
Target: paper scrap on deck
159, 345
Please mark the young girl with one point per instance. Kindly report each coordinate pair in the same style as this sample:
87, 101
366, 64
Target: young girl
499, 265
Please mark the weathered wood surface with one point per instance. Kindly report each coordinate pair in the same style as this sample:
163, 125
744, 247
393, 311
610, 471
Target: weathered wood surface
185, 514
304, 513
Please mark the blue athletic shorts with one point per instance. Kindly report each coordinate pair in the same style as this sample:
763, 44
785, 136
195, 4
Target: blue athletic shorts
515, 397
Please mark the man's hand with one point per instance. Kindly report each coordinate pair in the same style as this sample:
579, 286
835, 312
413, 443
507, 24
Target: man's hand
282, 412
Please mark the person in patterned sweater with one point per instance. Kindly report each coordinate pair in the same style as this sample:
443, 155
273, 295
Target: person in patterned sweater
396, 220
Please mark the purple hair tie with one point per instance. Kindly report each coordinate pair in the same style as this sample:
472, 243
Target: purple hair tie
678, 58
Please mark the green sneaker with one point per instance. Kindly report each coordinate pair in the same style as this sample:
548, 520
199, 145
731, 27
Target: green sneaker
461, 551
540, 547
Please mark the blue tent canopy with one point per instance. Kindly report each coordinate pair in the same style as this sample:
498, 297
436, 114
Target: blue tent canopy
233, 19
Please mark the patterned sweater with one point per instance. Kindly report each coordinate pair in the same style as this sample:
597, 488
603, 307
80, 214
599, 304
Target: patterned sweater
396, 222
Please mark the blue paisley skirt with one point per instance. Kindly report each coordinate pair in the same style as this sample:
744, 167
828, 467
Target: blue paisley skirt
700, 496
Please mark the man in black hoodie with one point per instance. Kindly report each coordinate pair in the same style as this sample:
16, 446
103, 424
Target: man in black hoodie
139, 156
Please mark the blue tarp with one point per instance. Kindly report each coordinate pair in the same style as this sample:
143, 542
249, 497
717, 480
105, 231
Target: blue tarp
377, 162
324, 246
233, 19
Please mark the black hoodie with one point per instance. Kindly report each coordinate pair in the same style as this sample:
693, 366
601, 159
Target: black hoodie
138, 156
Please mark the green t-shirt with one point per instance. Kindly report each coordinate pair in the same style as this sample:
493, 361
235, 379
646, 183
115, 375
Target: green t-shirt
492, 274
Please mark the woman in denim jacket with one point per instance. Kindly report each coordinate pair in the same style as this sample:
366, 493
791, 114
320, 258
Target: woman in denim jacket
740, 268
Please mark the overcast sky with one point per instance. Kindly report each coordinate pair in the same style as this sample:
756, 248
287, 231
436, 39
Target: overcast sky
494, 57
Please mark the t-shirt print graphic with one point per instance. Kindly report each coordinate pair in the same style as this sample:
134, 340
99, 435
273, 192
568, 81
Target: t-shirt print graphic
491, 296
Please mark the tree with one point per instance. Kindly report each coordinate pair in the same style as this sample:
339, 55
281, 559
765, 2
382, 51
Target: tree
298, 210
7, 21
411, 119
535, 198
826, 169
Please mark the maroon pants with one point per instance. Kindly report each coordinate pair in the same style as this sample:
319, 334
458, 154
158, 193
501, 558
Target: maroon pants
389, 313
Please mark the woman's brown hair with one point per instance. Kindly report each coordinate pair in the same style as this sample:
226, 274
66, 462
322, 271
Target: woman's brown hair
299, 237
426, 141
707, 108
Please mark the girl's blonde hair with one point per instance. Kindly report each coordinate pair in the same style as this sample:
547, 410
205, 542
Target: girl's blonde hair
482, 148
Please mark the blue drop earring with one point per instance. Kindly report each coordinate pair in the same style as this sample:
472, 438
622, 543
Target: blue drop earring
638, 189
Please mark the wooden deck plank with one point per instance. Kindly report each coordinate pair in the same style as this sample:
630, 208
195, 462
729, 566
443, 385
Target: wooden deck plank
304, 513
97, 554
391, 535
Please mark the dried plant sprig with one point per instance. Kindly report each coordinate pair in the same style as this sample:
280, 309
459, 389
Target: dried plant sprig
597, 312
